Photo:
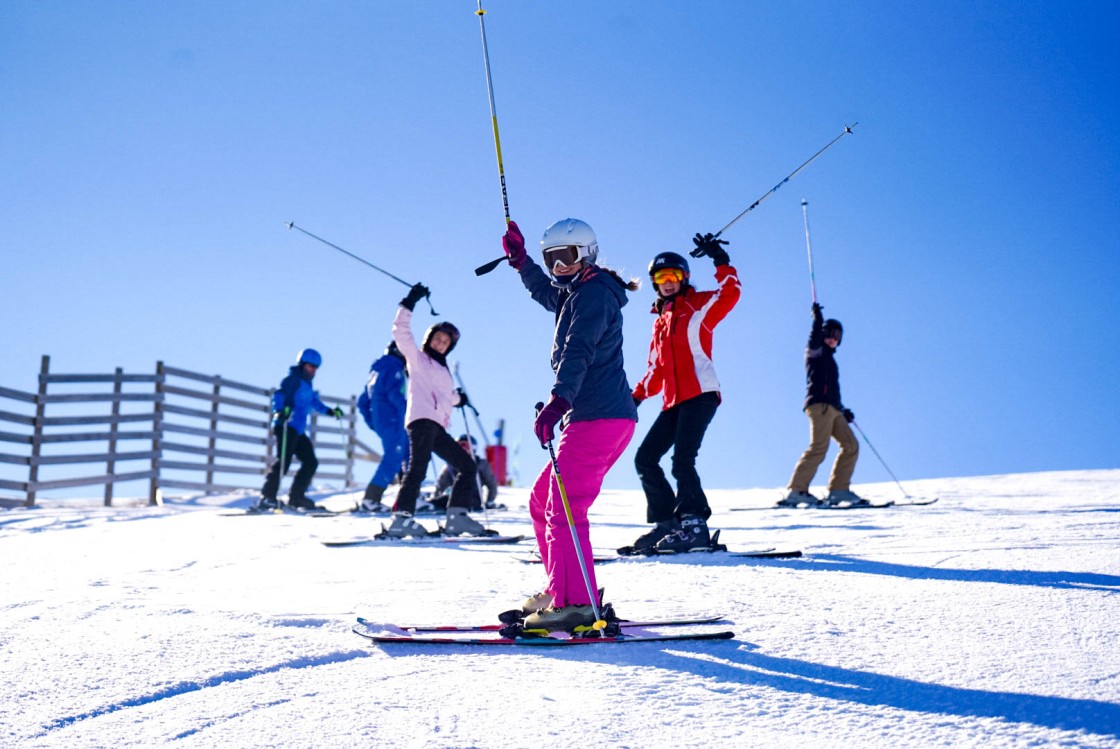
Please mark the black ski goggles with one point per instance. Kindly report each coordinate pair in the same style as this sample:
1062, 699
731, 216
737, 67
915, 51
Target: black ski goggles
565, 254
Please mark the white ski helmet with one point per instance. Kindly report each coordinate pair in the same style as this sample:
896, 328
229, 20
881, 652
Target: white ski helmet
569, 233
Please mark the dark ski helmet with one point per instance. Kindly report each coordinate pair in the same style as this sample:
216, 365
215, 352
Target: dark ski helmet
310, 356
668, 260
833, 329
444, 327
468, 438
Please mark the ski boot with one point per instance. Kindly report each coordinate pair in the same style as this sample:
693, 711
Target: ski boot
796, 499
691, 536
266, 505
459, 523
844, 499
647, 541
533, 604
403, 526
578, 620
371, 502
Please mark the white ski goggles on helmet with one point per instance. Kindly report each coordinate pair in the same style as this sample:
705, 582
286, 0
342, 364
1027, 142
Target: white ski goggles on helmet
565, 254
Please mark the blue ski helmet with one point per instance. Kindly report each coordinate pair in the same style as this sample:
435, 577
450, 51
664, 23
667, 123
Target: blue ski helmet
310, 356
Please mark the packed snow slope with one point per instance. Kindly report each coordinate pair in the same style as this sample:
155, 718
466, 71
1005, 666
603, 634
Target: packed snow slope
988, 619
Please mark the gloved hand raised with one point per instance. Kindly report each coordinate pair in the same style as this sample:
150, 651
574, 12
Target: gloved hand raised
514, 245
415, 294
464, 401
335, 412
709, 245
848, 415
547, 418
817, 312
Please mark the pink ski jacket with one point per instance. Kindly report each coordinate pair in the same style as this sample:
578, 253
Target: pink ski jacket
431, 391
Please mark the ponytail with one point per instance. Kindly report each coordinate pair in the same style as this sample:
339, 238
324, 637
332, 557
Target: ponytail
632, 285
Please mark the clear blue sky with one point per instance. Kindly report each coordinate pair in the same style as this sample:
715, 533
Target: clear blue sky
150, 154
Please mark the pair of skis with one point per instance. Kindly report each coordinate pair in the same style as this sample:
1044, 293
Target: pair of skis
433, 540
713, 546
284, 510
911, 502
619, 631
768, 553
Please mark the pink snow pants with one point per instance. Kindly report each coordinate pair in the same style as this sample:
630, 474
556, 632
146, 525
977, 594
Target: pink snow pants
586, 451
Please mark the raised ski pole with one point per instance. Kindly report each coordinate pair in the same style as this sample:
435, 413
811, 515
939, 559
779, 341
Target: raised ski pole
600, 623
484, 269
332, 245
809, 248
791, 175
343, 438
470, 441
283, 454
880, 457
477, 420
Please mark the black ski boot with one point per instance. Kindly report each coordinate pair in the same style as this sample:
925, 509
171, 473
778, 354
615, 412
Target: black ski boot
691, 536
647, 541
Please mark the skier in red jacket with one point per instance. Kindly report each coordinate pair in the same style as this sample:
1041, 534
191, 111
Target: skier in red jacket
681, 369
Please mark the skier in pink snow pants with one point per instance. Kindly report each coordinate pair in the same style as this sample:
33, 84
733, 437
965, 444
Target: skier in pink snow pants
587, 450
590, 400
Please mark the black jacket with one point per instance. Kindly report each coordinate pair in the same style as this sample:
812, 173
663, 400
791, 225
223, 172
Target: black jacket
822, 375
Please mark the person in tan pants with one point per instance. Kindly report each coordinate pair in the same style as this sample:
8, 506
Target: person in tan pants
828, 419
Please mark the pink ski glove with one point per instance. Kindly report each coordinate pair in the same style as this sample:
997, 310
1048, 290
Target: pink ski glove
547, 418
514, 245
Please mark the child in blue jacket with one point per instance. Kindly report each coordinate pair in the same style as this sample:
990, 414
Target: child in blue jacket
291, 405
382, 405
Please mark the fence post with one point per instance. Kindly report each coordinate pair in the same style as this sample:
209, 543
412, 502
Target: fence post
37, 435
116, 413
213, 443
350, 438
270, 438
157, 435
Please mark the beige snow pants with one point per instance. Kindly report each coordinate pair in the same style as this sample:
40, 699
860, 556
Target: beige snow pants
826, 422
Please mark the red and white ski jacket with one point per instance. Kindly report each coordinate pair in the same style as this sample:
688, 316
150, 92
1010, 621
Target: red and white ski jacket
680, 352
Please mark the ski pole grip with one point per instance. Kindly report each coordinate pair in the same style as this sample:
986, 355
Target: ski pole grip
537, 412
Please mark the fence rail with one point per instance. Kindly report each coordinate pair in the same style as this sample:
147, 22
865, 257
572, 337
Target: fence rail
217, 434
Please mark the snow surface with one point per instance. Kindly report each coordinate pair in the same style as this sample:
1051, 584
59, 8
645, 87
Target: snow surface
988, 619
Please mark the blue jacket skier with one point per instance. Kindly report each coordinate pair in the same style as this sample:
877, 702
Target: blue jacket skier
292, 404
382, 405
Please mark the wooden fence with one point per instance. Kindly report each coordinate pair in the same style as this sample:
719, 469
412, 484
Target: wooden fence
183, 430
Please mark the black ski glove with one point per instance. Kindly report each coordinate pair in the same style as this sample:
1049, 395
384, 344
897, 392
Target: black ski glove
707, 244
817, 313
848, 415
464, 401
415, 294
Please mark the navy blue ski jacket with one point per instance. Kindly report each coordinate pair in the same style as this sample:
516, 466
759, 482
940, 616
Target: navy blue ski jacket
587, 342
